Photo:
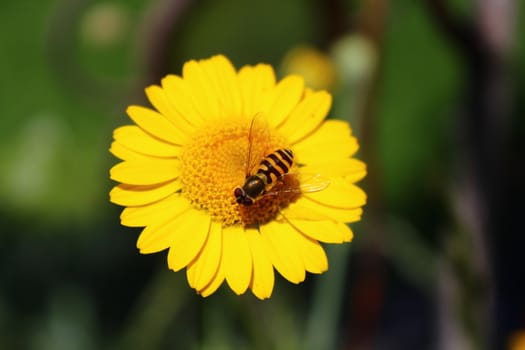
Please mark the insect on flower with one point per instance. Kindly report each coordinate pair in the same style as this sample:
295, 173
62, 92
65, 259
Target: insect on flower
272, 170
237, 175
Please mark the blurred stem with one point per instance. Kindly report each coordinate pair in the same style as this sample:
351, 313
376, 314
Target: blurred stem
484, 45
322, 325
329, 294
367, 299
372, 25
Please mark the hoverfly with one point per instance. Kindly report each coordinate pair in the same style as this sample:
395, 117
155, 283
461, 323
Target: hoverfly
272, 170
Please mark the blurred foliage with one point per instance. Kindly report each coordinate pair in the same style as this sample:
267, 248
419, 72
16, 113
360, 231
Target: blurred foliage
71, 276
420, 84
263, 30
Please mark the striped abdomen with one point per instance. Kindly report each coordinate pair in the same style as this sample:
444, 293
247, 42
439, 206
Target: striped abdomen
275, 165
271, 168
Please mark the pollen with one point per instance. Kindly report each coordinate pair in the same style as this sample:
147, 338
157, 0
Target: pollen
218, 158
267, 208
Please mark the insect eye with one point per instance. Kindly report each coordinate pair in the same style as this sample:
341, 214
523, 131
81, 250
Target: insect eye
238, 192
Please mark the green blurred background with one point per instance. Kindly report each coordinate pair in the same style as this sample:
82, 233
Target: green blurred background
434, 91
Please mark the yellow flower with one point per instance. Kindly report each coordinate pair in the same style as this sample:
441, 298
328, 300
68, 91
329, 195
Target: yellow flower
316, 67
183, 160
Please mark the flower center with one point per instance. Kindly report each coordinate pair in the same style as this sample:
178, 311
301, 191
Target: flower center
218, 159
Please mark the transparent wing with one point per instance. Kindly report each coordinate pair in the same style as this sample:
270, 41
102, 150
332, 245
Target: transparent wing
258, 133
313, 183
307, 183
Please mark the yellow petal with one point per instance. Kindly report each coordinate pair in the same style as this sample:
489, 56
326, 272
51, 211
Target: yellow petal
307, 116
156, 212
136, 139
191, 233
156, 124
145, 172
302, 211
159, 236
160, 99
324, 231
179, 94
201, 270
313, 254
351, 169
124, 153
307, 209
340, 194
223, 79
332, 141
254, 82
280, 247
348, 234
200, 91
237, 259
131, 195
281, 100
263, 276
215, 283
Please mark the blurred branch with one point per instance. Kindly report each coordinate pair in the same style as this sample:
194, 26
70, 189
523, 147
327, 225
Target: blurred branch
160, 27
373, 20
334, 19
484, 45
461, 33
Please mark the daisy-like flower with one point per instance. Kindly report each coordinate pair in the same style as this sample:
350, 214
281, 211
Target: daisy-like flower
210, 128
